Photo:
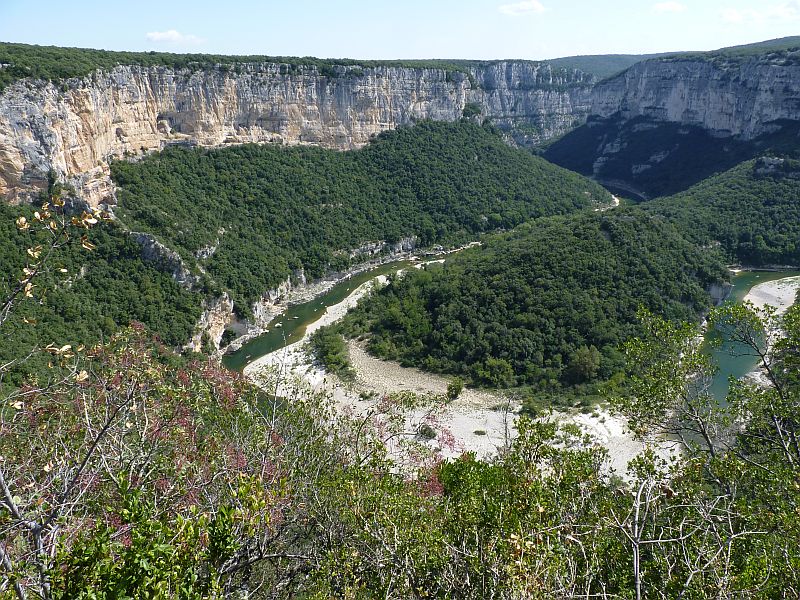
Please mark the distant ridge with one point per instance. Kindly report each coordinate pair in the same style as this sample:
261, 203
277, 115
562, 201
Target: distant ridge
601, 65
604, 66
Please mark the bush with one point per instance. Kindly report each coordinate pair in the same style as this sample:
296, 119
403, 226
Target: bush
454, 388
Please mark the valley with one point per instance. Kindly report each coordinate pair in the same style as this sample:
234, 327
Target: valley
284, 327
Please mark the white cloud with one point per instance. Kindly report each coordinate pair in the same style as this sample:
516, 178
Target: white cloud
780, 11
525, 7
668, 7
172, 37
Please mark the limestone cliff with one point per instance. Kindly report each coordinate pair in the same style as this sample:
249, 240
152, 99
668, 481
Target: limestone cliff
74, 128
666, 124
745, 99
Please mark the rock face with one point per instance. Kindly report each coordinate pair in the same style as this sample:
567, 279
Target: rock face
75, 128
165, 259
666, 124
217, 314
745, 100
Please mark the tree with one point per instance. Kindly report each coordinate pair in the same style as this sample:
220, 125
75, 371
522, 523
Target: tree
584, 364
454, 388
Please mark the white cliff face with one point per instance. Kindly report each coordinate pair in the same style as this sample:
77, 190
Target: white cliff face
74, 129
744, 100
532, 101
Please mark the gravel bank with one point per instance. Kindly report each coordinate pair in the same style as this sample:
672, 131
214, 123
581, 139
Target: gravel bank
478, 421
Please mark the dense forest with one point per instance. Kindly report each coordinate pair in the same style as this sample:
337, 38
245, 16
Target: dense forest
256, 214
546, 305
782, 51
96, 293
752, 210
53, 63
56, 64
601, 66
269, 211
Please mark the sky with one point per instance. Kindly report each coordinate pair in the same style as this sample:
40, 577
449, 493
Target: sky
378, 29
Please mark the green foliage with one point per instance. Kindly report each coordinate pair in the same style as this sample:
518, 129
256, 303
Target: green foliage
583, 364
751, 210
199, 486
545, 305
270, 210
154, 556
454, 388
98, 292
58, 64
227, 337
330, 350
601, 66
782, 51
471, 109
118, 454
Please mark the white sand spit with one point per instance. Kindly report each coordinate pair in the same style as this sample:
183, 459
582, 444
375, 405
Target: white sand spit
478, 421
779, 294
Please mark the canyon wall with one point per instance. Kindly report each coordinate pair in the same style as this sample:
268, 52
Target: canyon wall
744, 99
665, 124
74, 128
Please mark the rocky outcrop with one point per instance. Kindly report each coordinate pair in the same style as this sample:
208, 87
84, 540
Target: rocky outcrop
165, 259
217, 315
719, 292
76, 127
744, 100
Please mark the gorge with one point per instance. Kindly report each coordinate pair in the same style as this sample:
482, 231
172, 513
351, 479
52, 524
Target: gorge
276, 327
74, 127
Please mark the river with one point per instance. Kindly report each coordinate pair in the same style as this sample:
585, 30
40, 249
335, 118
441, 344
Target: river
730, 362
291, 325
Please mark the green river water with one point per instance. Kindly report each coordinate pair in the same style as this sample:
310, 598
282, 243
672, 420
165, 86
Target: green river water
291, 326
730, 362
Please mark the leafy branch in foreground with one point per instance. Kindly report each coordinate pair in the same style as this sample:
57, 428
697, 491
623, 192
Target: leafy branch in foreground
51, 228
132, 472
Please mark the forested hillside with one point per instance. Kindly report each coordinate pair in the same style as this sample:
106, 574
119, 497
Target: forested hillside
752, 210
87, 295
258, 213
547, 304
142, 474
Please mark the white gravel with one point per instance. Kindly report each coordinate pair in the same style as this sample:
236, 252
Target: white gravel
780, 294
477, 421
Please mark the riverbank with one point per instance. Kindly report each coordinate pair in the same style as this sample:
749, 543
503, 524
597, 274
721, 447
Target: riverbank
288, 296
478, 421
780, 294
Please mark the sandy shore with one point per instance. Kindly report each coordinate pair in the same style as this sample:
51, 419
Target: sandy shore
292, 358
780, 294
477, 421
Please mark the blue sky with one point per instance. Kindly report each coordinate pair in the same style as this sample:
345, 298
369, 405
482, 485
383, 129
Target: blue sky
532, 29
